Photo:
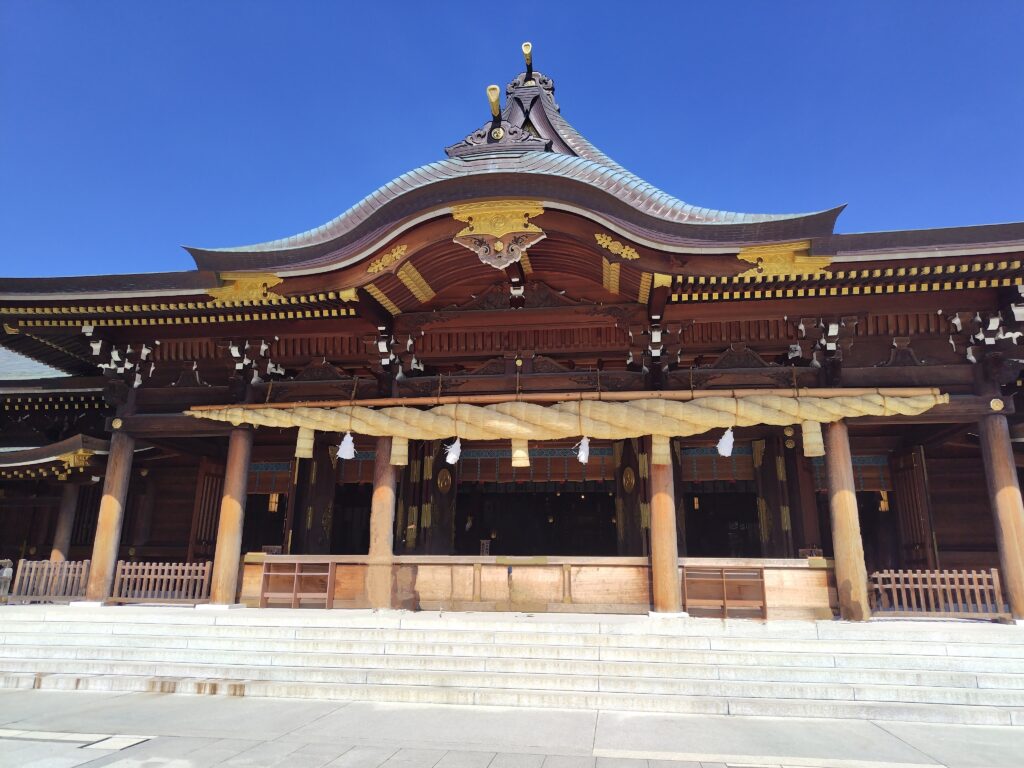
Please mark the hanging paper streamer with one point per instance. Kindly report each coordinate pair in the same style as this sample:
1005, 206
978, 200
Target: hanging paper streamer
347, 449
520, 453
725, 444
453, 451
583, 450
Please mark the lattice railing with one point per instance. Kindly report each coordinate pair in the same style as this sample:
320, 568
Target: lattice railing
47, 581
954, 594
724, 592
161, 582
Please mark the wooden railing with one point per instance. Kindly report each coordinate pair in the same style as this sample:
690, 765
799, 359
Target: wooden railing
726, 587
296, 583
161, 583
724, 592
46, 581
952, 594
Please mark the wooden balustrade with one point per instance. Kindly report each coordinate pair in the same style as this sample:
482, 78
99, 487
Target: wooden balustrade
951, 594
725, 592
726, 587
161, 583
46, 581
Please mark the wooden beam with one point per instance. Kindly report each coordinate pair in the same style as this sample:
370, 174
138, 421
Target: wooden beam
145, 426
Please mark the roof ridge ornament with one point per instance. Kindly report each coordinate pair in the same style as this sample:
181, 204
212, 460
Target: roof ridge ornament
497, 135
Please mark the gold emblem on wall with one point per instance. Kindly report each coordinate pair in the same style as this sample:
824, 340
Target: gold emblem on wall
498, 232
628, 480
790, 259
444, 480
625, 252
387, 260
245, 286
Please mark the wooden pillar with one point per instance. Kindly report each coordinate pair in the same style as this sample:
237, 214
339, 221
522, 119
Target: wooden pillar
65, 523
851, 574
111, 517
224, 584
1007, 507
382, 527
664, 549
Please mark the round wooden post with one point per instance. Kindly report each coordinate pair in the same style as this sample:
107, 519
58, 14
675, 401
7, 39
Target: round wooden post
65, 522
664, 549
1007, 507
111, 517
382, 527
224, 582
851, 574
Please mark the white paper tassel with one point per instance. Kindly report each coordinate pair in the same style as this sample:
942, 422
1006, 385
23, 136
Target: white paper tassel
347, 449
583, 452
725, 444
453, 451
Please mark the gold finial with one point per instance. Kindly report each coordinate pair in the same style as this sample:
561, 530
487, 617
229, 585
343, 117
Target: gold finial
528, 56
493, 94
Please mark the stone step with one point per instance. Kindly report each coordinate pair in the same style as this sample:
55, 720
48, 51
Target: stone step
702, 665
578, 625
599, 700
155, 648
519, 680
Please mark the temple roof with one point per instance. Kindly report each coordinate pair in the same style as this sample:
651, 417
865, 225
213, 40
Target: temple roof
526, 150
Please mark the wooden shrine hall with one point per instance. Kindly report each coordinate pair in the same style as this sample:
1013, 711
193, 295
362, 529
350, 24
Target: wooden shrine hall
522, 378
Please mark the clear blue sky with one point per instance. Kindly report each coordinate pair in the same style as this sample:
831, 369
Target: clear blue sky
129, 128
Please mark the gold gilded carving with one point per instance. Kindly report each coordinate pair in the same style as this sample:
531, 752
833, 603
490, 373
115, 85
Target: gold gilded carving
790, 259
415, 282
75, 459
382, 299
628, 480
387, 260
499, 231
625, 252
245, 286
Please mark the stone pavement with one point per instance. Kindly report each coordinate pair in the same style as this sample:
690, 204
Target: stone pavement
51, 729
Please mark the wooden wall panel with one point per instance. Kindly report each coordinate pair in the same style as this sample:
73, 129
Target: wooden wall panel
964, 530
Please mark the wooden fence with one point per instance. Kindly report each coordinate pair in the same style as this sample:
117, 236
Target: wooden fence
952, 594
46, 581
161, 582
724, 592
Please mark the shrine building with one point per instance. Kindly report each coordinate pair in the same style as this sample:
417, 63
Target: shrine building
519, 377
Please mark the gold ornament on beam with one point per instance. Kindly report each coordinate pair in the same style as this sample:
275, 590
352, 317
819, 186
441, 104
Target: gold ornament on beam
786, 259
389, 259
245, 286
624, 252
498, 232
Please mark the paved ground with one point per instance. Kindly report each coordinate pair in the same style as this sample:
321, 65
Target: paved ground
49, 729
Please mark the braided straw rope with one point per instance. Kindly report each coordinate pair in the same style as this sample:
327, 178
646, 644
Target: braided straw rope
521, 421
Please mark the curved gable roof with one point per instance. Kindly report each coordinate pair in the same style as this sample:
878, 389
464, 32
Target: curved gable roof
555, 175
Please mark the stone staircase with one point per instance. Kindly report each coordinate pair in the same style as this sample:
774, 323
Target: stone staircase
929, 671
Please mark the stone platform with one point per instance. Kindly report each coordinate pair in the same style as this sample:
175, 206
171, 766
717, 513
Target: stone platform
918, 671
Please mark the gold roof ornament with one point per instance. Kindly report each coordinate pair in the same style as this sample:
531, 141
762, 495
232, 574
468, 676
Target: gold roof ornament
245, 286
499, 232
786, 259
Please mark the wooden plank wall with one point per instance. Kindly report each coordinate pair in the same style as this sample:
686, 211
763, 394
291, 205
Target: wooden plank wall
964, 530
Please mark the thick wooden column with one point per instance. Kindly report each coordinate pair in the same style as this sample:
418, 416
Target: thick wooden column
851, 574
111, 517
382, 527
65, 523
1007, 507
664, 548
224, 584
